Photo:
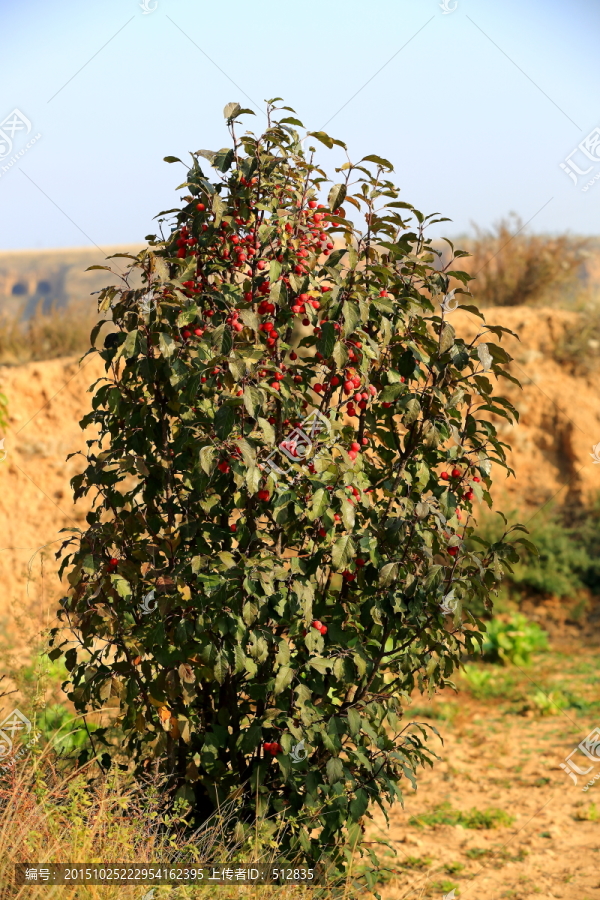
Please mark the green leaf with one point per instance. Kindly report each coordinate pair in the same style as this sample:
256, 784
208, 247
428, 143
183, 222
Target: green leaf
121, 585
320, 502
348, 514
340, 355
342, 552
207, 459
167, 344
250, 319
354, 721
274, 271
380, 161
388, 574
283, 679
252, 400
351, 313
337, 195
326, 341
207, 154
321, 136
335, 770
413, 408
320, 664
130, 346
267, 429
224, 421
231, 110
218, 208
253, 479
446, 338
222, 340
171, 159
220, 667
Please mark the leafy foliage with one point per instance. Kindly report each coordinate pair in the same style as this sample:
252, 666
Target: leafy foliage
231, 611
514, 640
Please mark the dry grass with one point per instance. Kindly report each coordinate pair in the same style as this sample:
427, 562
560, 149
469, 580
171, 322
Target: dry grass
65, 332
85, 818
513, 267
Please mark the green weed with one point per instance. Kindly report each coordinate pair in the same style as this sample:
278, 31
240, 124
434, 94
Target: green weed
444, 814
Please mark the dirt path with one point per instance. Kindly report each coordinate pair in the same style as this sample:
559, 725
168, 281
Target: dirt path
501, 754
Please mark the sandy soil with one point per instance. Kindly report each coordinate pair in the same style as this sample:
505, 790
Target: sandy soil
505, 756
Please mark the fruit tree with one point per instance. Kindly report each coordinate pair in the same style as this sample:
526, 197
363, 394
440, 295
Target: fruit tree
292, 441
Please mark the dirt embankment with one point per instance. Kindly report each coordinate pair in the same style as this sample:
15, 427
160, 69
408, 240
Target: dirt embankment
560, 422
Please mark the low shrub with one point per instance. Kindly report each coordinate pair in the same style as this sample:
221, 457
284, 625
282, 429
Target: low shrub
513, 641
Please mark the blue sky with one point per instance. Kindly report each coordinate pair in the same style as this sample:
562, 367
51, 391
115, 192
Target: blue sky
476, 108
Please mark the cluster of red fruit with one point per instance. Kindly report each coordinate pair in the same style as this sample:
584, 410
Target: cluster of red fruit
456, 474
319, 626
273, 748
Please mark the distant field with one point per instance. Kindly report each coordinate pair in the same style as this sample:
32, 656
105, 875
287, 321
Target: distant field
42, 279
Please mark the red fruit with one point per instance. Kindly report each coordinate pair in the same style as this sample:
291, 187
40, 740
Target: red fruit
348, 387
386, 405
224, 466
181, 253
298, 270
360, 562
337, 517
348, 576
352, 454
453, 551
306, 322
293, 355
237, 326
186, 334
317, 388
335, 381
233, 527
316, 624
113, 563
274, 384
321, 532
469, 495
263, 494
323, 629
456, 473
279, 376
355, 446
200, 206
312, 204
444, 476
248, 297
476, 478
356, 381
261, 264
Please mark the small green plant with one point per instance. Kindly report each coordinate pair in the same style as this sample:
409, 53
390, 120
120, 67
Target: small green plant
445, 712
513, 641
444, 814
550, 704
443, 886
454, 868
416, 862
589, 813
